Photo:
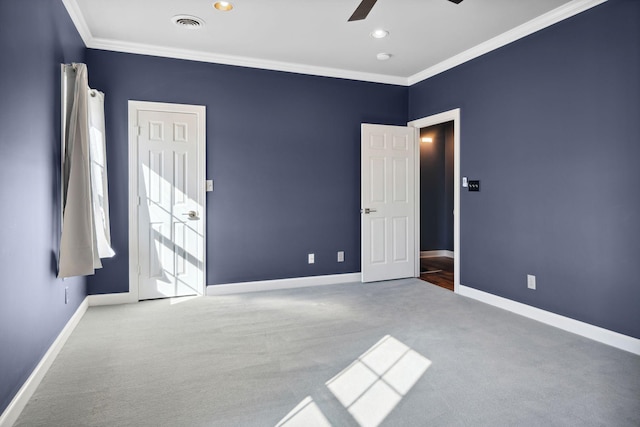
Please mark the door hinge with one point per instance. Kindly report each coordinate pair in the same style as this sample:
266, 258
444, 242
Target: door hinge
139, 200
139, 130
139, 269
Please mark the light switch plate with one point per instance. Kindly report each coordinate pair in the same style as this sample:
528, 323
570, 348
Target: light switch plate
474, 185
209, 186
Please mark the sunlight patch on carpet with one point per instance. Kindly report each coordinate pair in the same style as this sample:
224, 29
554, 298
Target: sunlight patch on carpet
306, 414
370, 388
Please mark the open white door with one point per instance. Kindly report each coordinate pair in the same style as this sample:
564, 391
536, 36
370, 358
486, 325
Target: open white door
388, 159
168, 223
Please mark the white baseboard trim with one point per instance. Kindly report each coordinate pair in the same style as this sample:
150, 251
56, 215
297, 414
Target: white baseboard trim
111, 299
596, 333
270, 285
13, 411
432, 254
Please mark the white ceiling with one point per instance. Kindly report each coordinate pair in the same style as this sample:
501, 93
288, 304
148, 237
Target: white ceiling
314, 37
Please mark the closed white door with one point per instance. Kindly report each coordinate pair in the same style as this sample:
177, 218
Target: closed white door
388, 159
170, 214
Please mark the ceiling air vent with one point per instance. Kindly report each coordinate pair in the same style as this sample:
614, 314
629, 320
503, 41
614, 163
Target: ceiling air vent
188, 22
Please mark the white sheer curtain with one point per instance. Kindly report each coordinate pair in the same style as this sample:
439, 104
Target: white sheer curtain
99, 189
85, 216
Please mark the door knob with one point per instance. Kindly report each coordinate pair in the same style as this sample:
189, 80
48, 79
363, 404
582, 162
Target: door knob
368, 211
192, 214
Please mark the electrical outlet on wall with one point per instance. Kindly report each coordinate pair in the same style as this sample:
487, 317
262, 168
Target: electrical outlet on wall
340, 256
312, 258
531, 281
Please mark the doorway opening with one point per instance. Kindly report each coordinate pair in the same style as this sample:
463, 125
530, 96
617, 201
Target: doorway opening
438, 199
436, 204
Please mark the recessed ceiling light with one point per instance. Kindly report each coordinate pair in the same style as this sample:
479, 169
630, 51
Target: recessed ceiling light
379, 33
383, 56
187, 21
223, 6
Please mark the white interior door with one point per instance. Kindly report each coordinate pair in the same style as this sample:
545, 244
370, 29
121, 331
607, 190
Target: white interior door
388, 212
170, 190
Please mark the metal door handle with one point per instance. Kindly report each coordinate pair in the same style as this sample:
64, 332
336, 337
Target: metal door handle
192, 214
368, 211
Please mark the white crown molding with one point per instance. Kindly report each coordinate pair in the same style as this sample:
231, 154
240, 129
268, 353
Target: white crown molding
240, 61
78, 20
543, 21
563, 12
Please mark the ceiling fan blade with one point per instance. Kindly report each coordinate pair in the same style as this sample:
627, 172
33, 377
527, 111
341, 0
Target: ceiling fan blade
456, 1
362, 10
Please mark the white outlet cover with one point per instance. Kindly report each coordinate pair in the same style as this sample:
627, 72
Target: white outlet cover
312, 258
531, 281
340, 256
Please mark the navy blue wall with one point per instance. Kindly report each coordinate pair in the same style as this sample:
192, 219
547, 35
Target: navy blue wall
550, 125
436, 188
32, 308
282, 148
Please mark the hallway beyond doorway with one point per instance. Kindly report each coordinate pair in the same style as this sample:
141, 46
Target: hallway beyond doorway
437, 271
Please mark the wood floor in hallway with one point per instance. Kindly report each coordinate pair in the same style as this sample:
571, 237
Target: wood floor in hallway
438, 271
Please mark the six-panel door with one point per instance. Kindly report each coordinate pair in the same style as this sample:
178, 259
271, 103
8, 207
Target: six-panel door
169, 223
388, 202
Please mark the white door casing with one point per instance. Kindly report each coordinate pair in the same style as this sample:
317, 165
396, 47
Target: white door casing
388, 211
166, 200
446, 116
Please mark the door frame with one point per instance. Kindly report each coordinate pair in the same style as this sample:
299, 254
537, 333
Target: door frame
200, 112
436, 119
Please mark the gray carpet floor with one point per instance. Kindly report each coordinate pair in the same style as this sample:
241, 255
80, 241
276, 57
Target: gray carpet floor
398, 353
